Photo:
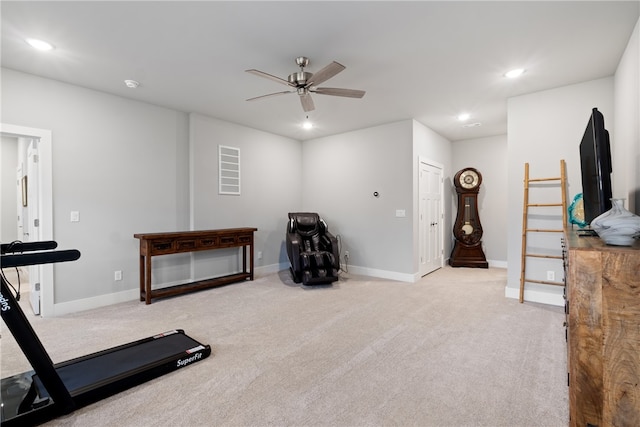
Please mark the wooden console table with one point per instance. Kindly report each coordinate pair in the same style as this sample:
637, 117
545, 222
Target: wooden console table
153, 244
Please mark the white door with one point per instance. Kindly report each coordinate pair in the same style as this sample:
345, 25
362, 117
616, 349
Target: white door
20, 208
32, 198
430, 217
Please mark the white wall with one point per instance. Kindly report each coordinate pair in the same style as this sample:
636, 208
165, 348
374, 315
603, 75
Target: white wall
122, 164
489, 156
130, 167
626, 146
271, 186
340, 175
543, 128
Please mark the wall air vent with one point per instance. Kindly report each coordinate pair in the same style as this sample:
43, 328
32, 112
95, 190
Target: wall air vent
229, 170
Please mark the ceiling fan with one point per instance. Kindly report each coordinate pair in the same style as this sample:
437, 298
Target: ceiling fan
305, 83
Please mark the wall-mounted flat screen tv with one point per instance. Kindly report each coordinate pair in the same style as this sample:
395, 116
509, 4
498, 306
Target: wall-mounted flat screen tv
595, 163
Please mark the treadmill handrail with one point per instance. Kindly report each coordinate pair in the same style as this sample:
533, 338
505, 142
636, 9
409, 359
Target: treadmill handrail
19, 246
19, 260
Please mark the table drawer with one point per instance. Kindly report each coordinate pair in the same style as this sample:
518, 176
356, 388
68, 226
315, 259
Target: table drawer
228, 240
246, 238
185, 245
208, 242
159, 247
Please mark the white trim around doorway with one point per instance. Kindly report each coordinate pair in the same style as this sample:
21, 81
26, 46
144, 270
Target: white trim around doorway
45, 203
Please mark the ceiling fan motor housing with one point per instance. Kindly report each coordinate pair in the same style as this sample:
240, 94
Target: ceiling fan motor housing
300, 78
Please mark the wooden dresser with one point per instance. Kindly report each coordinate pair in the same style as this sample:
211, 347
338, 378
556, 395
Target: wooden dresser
603, 331
154, 244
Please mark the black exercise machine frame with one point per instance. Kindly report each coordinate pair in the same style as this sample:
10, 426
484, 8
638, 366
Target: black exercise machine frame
59, 400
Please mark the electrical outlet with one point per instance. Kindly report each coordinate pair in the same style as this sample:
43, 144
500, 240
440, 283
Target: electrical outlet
117, 275
346, 254
551, 275
259, 254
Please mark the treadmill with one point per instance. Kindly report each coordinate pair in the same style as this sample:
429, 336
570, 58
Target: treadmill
51, 390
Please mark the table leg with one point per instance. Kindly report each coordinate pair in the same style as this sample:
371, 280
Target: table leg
244, 259
141, 278
147, 281
251, 261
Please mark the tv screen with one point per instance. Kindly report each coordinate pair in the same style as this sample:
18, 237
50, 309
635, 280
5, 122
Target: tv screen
595, 163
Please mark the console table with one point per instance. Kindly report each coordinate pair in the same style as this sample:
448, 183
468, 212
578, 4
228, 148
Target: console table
154, 244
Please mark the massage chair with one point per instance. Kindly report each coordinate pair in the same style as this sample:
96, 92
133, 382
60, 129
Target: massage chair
312, 250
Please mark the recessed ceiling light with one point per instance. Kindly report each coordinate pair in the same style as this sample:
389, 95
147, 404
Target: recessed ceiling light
131, 84
39, 44
464, 116
517, 72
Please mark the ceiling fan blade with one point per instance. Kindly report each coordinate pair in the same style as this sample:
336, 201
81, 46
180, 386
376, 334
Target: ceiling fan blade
325, 74
270, 94
307, 102
269, 76
349, 93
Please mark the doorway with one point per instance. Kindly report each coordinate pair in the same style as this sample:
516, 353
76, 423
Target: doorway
36, 203
430, 216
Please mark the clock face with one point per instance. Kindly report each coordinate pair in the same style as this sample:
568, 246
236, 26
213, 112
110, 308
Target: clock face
469, 179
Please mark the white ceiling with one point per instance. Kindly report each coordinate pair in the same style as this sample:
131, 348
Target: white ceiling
424, 60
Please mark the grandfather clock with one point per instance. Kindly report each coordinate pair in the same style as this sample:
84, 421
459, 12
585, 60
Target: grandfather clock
467, 249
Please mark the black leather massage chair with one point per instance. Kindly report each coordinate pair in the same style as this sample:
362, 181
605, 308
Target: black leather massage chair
312, 250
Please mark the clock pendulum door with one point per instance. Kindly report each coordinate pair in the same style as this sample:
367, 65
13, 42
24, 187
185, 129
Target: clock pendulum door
467, 230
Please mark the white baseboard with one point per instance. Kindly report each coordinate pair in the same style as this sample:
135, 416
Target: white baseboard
382, 274
497, 264
265, 270
61, 309
75, 306
91, 303
551, 295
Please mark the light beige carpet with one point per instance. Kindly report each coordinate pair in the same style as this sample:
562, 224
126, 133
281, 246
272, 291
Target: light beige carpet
449, 350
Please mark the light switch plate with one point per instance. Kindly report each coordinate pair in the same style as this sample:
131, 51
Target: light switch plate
75, 216
401, 213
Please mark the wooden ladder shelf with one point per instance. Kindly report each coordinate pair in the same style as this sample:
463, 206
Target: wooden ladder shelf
562, 179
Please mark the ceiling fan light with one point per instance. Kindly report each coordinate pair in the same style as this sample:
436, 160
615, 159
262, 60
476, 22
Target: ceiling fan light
39, 44
512, 74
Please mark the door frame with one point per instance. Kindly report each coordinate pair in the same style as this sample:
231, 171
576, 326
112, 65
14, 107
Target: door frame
45, 203
440, 166
33, 218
